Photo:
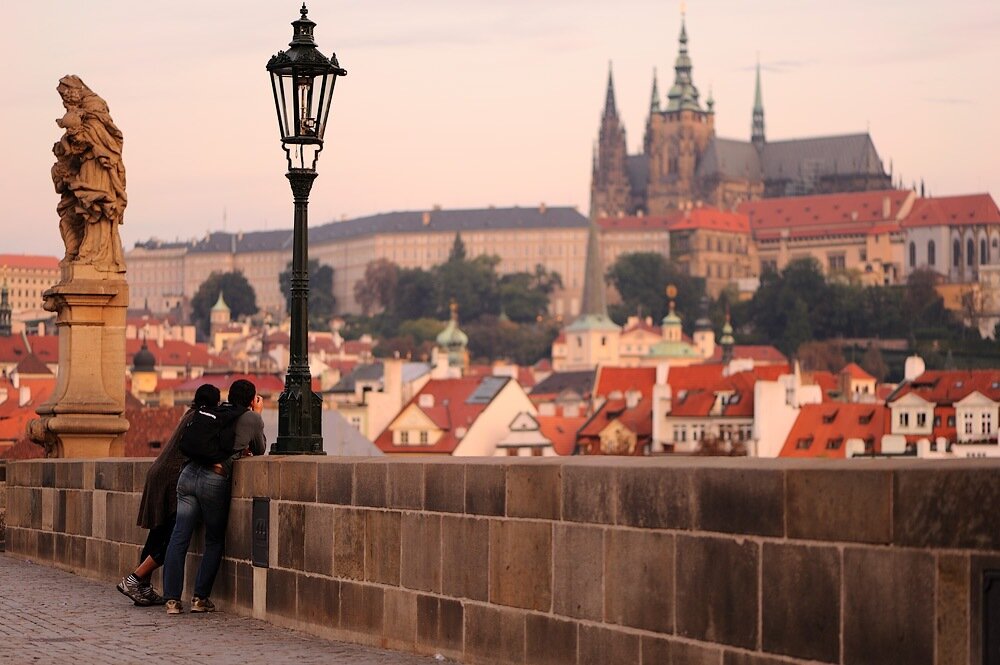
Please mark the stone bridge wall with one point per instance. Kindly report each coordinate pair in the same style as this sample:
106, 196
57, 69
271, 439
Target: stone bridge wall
586, 560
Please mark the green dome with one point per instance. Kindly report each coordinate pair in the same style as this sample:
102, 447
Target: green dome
452, 337
220, 304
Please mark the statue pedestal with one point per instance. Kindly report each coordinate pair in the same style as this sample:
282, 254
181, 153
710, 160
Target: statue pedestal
83, 418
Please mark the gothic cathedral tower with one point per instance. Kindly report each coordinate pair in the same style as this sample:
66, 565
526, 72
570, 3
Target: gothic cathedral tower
609, 189
675, 138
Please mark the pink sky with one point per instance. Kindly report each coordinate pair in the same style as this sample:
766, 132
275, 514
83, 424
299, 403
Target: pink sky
467, 103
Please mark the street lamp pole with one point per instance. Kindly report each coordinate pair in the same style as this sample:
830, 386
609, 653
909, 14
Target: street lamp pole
302, 81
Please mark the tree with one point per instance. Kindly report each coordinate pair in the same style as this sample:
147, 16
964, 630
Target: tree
236, 291
415, 295
472, 284
874, 363
641, 279
525, 296
378, 287
457, 249
820, 357
322, 302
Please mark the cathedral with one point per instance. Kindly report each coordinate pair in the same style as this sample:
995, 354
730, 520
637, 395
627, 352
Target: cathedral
683, 163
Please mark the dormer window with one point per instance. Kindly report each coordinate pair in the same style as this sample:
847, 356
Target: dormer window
804, 443
829, 417
834, 444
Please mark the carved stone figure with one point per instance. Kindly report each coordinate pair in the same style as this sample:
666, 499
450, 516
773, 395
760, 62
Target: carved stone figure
89, 176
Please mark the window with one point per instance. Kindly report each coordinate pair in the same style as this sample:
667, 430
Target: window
904, 419
986, 423
931, 253
937, 421
984, 256
423, 437
921, 420
970, 252
404, 437
836, 261
804, 443
967, 423
913, 254
956, 254
834, 444
951, 421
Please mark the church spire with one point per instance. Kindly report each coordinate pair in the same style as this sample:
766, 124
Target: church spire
757, 132
683, 95
654, 102
5, 308
610, 108
594, 303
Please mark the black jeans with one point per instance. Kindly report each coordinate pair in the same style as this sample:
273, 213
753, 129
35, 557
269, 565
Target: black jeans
157, 540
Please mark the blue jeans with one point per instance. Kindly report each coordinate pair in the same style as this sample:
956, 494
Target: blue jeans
202, 496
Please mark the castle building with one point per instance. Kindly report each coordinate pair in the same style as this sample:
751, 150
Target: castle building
683, 162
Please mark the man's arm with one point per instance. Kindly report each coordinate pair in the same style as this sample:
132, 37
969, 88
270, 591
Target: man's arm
250, 433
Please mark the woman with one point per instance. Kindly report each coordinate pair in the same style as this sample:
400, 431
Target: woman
158, 507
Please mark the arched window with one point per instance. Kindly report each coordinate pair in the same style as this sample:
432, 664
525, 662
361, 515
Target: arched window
931, 253
956, 253
970, 252
913, 254
984, 256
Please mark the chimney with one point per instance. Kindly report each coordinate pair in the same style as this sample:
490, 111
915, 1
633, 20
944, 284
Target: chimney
632, 398
541, 208
886, 207
426, 401
24, 396
426, 219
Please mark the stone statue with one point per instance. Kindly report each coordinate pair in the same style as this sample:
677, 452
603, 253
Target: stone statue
89, 176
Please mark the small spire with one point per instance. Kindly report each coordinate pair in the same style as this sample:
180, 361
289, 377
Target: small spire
610, 107
710, 102
654, 102
757, 128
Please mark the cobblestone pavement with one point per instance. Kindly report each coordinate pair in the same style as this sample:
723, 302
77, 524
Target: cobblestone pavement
50, 616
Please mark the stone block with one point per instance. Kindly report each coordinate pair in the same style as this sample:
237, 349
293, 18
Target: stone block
114, 476
589, 494
370, 479
140, 469
801, 601
48, 507
78, 506
743, 658
335, 482
382, 538
600, 646
946, 508
549, 641
494, 635
405, 485
48, 473
952, 610
290, 534
46, 547
361, 608
245, 585
464, 541
298, 479
886, 595
224, 589
420, 558
257, 476
740, 500
69, 474
657, 651
99, 512
639, 579
400, 620
521, 564
75, 554
319, 601
239, 530
349, 543
978, 566
655, 497
117, 528
578, 568
849, 505
485, 489
444, 487
717, 587
439, 625
282, 592
318, 534
535, 491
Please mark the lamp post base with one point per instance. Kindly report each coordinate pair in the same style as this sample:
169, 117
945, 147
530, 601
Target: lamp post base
300, 413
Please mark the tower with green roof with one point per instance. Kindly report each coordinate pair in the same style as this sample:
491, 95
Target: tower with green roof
453, 342
592, 339
220, 316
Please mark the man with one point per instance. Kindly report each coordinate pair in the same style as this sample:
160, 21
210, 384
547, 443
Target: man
203, 492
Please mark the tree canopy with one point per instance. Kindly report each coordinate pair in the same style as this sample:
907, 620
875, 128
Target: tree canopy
236, 291
641, 279
322, 302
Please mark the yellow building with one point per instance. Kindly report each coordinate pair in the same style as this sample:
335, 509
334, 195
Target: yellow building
27, 277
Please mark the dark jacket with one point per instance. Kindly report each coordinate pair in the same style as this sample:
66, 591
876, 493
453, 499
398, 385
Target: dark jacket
159, 495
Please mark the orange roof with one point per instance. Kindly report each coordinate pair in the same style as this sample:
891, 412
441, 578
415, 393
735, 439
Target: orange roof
712, 219
561, 431
946, 387
634, 223
29, 262
450, 411
45, 348
623, 379
32, 364
826, 214
175, 353
821, 430
266, 384
639, 418
856, 372
694, 377
953, 210
697, 401
763, 354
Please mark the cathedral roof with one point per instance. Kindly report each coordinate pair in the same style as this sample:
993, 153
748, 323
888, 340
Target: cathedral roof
730, 158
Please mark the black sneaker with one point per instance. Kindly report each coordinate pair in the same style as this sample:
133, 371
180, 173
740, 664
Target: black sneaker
129, 586
149, 595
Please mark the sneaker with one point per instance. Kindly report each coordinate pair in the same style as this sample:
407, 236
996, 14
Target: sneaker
129, 586
149, 595
202, 605
174, 607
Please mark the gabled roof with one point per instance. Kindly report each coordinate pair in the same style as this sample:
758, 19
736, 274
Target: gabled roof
31, 364
623, 379
562, 431
953, 211
730, 158
851, 213
174, 353
581, 382
945, 387
822, 430
638, 418
856, 372
712, 219
698, 401
759, 353
848, 154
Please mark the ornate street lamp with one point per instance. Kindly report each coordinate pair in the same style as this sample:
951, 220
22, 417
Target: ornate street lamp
302, 80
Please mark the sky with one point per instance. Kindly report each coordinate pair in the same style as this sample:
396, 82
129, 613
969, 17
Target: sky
469, 103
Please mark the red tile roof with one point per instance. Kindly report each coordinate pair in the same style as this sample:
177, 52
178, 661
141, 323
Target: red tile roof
30, 262
32, 364
826, 214
694, 377
13, 350
176, 353
759, 353
561, 431
856, 372
267, 384
945, 387
639, 418
822, 430
953, 210
712, 219
623, 379
697, 401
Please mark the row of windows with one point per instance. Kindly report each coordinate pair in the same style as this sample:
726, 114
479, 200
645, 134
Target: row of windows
726, 432
968, 421
956, 253
413, 438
